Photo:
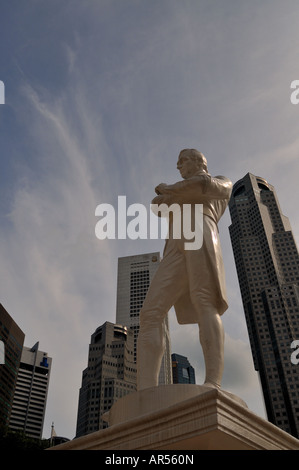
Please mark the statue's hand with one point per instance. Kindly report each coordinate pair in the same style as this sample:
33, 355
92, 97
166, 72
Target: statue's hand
160, 189
160, 205
158, 199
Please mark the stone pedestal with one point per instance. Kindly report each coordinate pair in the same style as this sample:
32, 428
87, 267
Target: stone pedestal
183, 417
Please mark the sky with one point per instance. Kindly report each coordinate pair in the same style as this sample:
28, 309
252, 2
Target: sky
100, 97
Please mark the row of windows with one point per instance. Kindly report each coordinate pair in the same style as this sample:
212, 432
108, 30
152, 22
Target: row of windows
139, 275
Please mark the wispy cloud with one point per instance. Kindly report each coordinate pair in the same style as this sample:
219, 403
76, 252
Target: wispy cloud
57, 279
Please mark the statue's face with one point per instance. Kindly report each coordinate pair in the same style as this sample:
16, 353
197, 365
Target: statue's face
186, 166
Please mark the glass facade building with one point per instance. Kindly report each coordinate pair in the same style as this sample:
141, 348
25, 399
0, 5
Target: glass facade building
267, 264
182, 371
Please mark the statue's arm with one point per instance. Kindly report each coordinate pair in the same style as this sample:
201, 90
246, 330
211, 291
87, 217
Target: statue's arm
218, 187
195, 190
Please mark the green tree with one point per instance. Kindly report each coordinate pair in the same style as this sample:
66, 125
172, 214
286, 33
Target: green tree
13, 441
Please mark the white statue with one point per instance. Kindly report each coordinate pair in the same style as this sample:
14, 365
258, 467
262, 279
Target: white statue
193, 281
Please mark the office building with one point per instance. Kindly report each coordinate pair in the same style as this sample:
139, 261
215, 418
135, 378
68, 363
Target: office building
12, 339
30, 398
267, 264
134, 277
110, 375
182, 371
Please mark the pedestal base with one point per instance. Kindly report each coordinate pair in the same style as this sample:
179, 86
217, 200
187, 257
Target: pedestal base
150, 400
183, 417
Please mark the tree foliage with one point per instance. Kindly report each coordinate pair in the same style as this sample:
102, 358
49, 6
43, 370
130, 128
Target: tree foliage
13, 441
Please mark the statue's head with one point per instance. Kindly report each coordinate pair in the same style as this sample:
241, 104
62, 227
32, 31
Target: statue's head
190, 162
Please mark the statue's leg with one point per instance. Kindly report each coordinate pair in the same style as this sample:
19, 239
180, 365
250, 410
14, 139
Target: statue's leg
205, 299
167, 285
211, 334
150, 348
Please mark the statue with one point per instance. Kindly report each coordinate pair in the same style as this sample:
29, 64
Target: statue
193, 281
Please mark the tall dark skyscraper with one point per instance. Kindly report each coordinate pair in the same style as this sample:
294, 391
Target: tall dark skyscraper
267, 264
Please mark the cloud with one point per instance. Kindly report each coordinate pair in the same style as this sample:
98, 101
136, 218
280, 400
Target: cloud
58, 281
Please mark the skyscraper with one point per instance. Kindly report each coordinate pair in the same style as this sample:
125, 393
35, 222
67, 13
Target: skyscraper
134, 277
110, 374
182, 371
30, 398
267, 264
12, 338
